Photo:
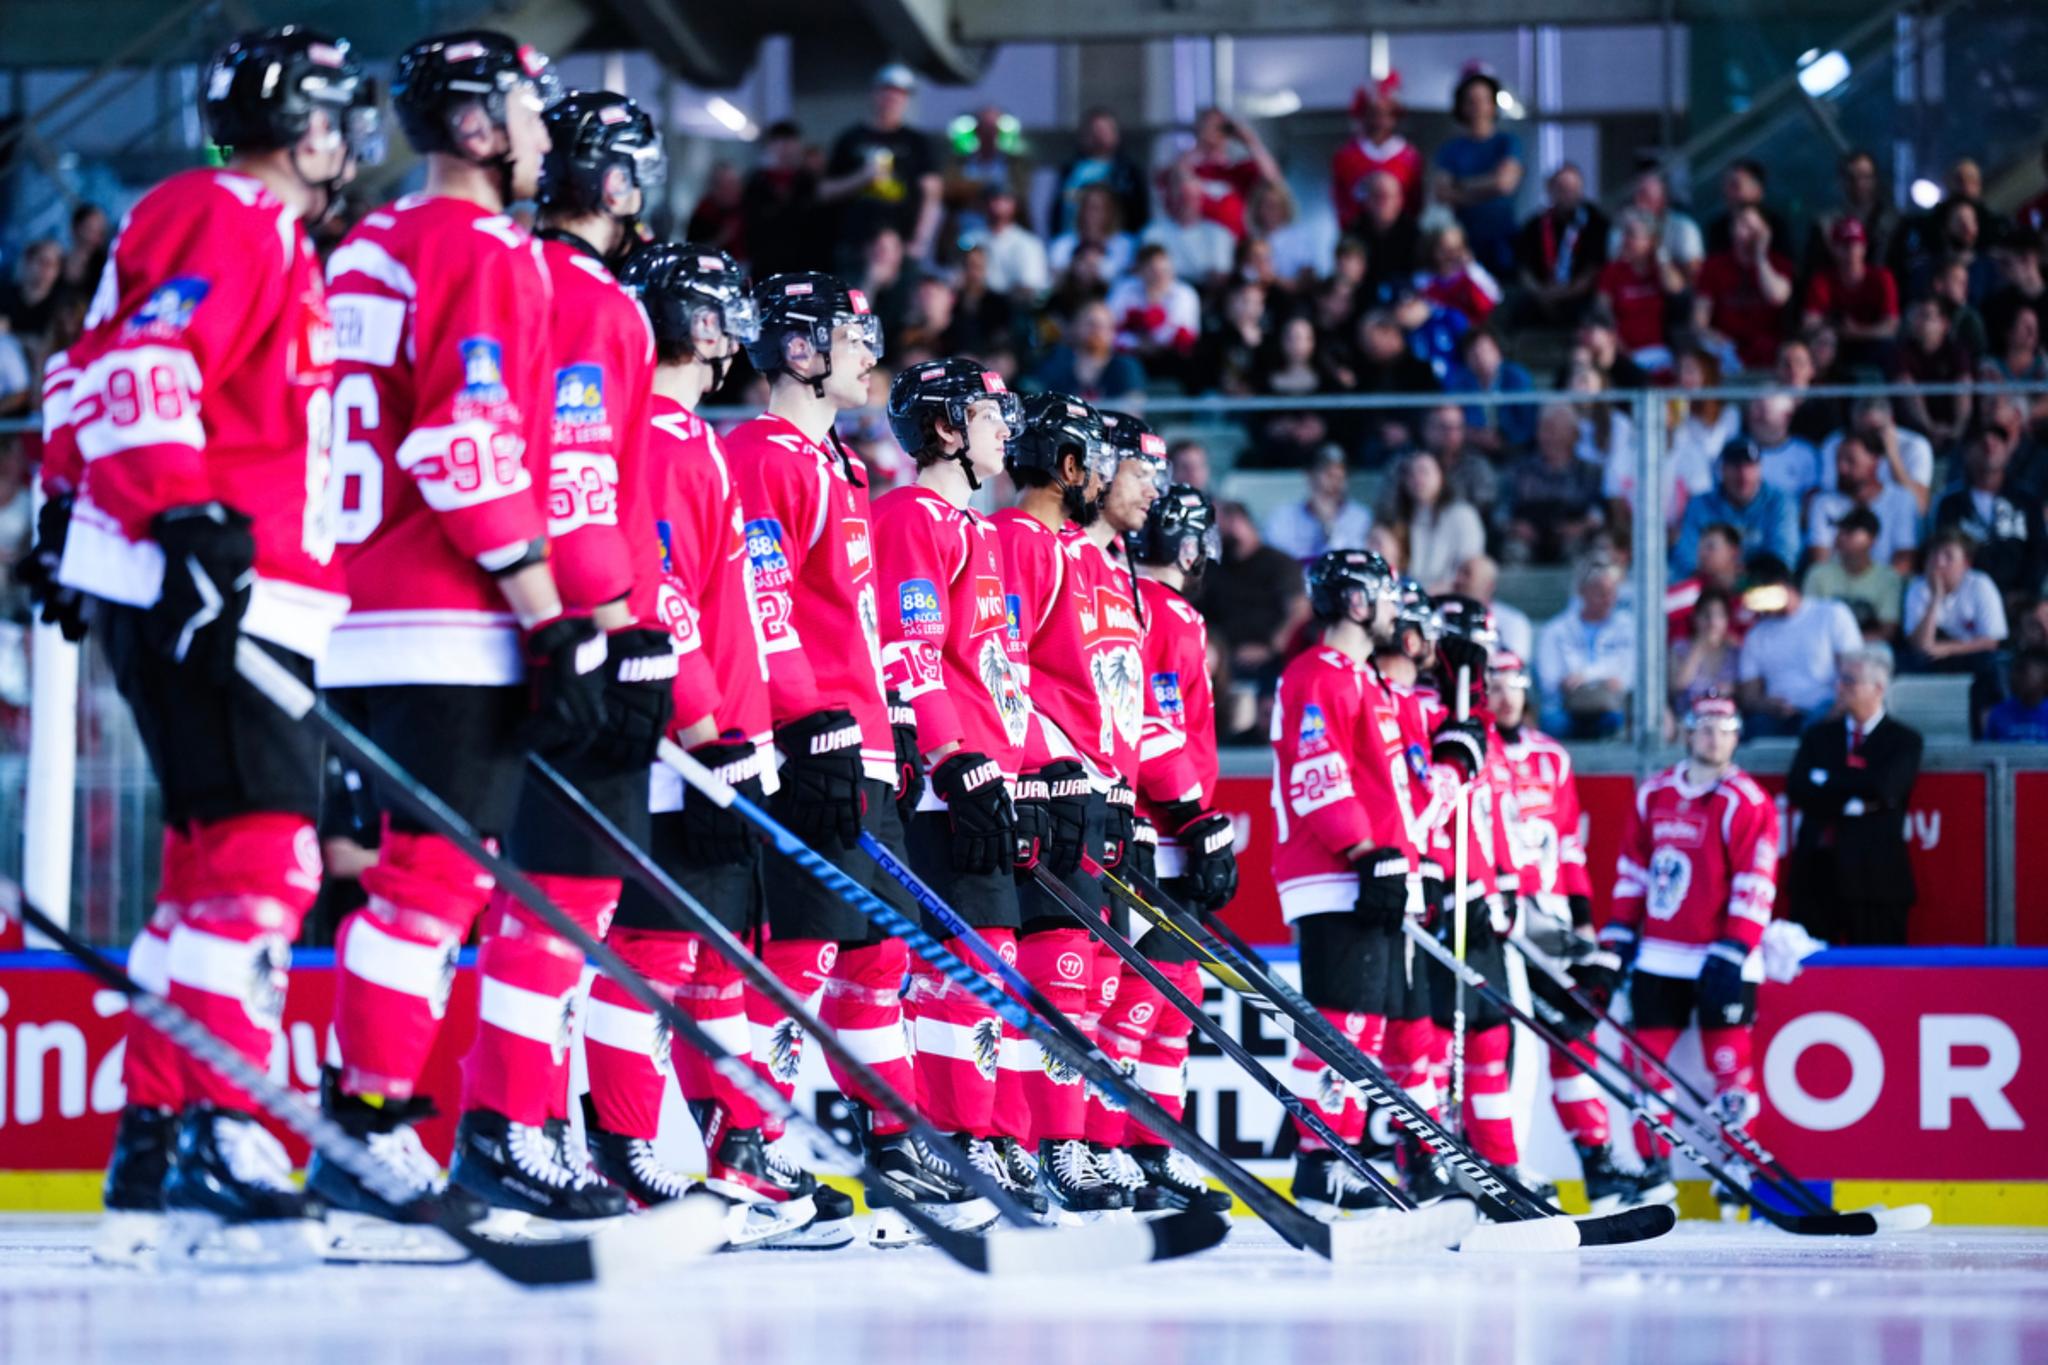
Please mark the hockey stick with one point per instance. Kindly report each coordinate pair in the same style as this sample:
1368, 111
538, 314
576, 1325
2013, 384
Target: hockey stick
1805, 1224
683, 1232
1341, 1243
1454, 1227
992, 1255
1735, 1136
1461, 823
1296, 1017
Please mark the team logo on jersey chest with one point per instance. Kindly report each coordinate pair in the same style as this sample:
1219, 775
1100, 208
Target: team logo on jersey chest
1678, 829
991, 609
999, 676
858, 552
917, 603
1110, 616
169, 310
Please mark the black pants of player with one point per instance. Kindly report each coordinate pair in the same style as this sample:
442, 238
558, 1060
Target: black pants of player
730, 892
1673, 1002
1489, 958
461, 743
986, 900
1158, 945
799, 906
1039, 910
218, 750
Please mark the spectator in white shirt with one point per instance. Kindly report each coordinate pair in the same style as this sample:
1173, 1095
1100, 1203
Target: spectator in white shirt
1586, 658
1016, 257
1700, 428
1905, 458
1955, 623
1791, 656
1096, 224
1157, 316
1857, 485
1790, 463
1201, 249
1329, 518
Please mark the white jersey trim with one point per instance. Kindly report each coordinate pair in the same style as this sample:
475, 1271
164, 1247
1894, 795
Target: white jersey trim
395, 648
1318, 895
1662, 957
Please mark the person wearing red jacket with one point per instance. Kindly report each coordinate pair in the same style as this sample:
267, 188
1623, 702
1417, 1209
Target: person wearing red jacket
1346, 857
699, 308
949, 654
460, 651
846, 770
188, 471
1541, 806
1182, 841
1077, 621
604, 156
1695, 885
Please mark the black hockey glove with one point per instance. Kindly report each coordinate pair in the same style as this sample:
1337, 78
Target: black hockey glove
1623, 941
1119, 824
1382, 889
909, 761
715, 835
1720, 985
1479, 933
62, 607
978, 808
1435, 888
1582, 911
821, 798
566, 678
1209, 845
639, 696
1052, 817
209, 574
1460, 743
1597, 976
1455, 652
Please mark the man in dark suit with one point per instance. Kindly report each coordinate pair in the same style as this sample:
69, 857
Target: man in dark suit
1850, 781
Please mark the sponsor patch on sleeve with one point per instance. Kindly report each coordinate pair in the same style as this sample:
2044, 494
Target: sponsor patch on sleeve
917, 602
483, 369
169, 309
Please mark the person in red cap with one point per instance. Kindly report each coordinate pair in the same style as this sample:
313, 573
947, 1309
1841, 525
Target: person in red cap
1376, 145
1695, 883
1858, 299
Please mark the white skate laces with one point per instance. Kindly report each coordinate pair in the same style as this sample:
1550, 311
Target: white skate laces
1121, 1169
536, 1155
400, 1152
253, 1156
1182, 1170
650, 1171
984, 1157
1074, 1164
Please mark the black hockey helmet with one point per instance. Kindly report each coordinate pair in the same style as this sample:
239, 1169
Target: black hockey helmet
694, 295
1413, 609
601, 145
1134, 440
923, 394
262, 88
812, 305
1180, 529
439, 76
1055, 423
1336, 575
1467, 618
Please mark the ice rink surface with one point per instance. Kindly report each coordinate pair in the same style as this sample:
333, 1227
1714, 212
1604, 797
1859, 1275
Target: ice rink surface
1702, 1294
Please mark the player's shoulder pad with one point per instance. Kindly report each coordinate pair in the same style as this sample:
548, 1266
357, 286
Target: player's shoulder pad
1745, 788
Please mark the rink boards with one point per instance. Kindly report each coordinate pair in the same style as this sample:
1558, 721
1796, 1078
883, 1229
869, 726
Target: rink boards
1889, 1076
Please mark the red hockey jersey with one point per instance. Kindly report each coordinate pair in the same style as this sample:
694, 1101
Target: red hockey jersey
1079, 625
206, 372
811, 551
443, 410
1177, 751
604, 372
704, 593
1696, 864
1542, 813
1337, 775
946, 638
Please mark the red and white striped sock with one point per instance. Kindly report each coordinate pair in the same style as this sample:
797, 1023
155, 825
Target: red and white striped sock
1060, 963
1163, 1056
151, 1069
802, 965
1579, 1105
1489, 1113
864, 1008
959, 1045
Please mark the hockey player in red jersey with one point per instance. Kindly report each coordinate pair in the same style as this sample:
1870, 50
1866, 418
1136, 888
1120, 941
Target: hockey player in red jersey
188, 469
1695, 882
949, 653
460, 643
1182, 840
604, 156
1345, 855
810, 545
1540, 806
701, 313
1077, 621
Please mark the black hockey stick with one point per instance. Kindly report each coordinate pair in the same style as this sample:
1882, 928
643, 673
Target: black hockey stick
1443, 1228
1735, 1136
669, 1238
1294, 1015
1457, 1225
1340, 1243
298, 701
1806, 1224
